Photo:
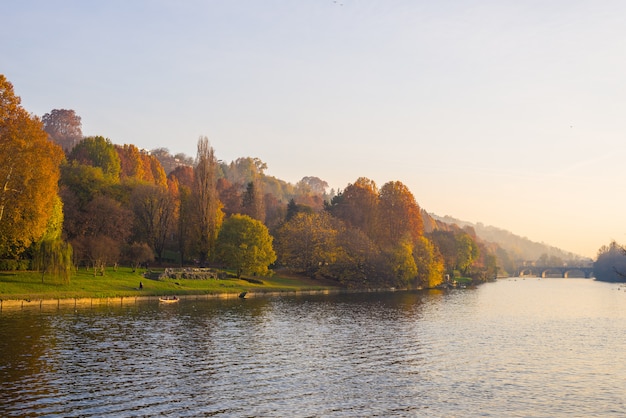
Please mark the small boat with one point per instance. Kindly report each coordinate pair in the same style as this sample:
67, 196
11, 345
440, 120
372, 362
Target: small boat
168, 299
242, 295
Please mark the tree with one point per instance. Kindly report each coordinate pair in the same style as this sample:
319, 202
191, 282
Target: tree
138, 253
430, 266
308, 242
610, 265
207, 206
54, 256
155, 211
358, 259
357, 206
245, 244
467, 253
398, 213
104, 227
252, 202
51, 254
98, 250
64, 127
313, 185
29, 174
402, 263
446, 243
98, 151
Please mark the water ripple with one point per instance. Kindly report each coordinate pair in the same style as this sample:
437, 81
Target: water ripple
482, 352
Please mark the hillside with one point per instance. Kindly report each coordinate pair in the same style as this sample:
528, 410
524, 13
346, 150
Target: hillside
519, 248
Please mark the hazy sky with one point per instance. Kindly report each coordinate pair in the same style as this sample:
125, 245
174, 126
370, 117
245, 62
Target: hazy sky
509, 113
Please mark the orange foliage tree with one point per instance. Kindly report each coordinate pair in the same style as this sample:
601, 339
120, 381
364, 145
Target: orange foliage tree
29, 174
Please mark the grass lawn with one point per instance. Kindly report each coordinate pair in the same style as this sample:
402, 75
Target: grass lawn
123, 283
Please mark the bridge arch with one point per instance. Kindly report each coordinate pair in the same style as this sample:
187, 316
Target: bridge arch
574, 273
552, 272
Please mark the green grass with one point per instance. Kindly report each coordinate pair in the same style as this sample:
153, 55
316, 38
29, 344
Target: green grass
125, 283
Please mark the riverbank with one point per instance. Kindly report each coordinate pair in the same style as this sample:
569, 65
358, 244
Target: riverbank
121, 286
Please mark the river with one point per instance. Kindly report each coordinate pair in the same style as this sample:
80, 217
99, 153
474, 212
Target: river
513, 348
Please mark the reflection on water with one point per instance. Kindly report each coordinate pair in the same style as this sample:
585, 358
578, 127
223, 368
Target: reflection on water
511, 348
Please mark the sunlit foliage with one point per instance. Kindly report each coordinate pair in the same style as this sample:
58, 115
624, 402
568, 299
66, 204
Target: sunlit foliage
29, 173
245, 244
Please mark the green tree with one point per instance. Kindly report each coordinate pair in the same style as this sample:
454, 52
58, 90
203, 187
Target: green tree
245, 245
29, 175
51, 255
98, 151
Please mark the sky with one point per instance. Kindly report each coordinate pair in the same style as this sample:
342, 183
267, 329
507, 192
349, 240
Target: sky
508, 113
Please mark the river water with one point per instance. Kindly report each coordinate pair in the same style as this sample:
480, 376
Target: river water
531, 348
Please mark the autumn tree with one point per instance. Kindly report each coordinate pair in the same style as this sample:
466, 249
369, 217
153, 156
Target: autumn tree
131, 163
401, 262
103, 230
467, 253
357, 205
245, 245
312, 184
230, 195
252, 201
29, 174
429, 262
155, 211
207, 207
64, 127
244, 170
183, 177
398, 214
358, 262
307, 242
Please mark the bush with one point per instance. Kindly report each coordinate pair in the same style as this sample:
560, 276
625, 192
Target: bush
14, 265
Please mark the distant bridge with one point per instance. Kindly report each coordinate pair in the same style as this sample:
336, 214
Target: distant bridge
556, 271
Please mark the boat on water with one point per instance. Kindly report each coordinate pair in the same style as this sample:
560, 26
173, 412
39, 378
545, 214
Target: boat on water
168, 299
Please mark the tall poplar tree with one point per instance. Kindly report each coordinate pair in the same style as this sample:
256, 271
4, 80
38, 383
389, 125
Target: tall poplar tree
207, 206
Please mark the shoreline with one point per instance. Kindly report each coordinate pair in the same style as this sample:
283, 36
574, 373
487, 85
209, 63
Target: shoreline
88, 303
6, 304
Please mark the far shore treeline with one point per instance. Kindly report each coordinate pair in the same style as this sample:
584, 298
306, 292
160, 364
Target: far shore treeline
68, 201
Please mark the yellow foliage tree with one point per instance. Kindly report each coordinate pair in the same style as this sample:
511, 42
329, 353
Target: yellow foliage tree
29, 174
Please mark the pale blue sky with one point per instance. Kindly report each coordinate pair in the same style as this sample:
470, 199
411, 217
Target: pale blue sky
510, 113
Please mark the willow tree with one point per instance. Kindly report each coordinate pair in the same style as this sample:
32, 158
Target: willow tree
29, 175
207, 206
52, 255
